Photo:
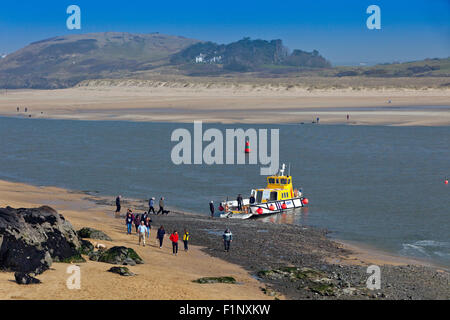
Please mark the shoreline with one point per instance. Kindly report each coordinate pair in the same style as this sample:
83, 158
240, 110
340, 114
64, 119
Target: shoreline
313, 248
229, 105
362, 252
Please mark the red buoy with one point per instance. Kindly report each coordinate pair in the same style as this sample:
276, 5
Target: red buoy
259, 211
305, 201
283, 206
272, 207
446, 181
247, 146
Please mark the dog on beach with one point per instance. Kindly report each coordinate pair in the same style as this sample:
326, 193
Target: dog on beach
99, 246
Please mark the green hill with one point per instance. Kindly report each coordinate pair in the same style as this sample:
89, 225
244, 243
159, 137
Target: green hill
64, 61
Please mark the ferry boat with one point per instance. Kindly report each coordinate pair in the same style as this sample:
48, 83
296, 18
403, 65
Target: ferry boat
278, 196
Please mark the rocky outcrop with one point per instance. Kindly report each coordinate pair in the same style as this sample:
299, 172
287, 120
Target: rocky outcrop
31, 239
117, 255
91, 233
86, 247
25, 278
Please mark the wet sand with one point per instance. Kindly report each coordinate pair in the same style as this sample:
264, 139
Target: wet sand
175, 102
257, 246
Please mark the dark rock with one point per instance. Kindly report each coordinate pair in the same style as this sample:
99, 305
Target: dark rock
129, 262
117, 255
31, 239
91, 233
86, 247
25, 278
123, 271
215, 280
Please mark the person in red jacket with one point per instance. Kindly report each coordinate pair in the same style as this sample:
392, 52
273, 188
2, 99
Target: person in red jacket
174, 238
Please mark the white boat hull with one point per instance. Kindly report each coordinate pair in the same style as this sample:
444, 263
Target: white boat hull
291, 204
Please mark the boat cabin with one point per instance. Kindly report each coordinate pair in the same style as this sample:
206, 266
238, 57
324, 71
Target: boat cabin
278, 188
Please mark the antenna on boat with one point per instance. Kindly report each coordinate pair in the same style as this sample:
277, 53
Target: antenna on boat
289, 172
283, 167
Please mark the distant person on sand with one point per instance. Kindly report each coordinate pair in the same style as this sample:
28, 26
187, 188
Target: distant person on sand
348, 117
161, 206
211, 208
160, 236
118, 203
174, 238
148, 225
227, 238
186, 237
142, 231
129, 221
151, 204
318, 119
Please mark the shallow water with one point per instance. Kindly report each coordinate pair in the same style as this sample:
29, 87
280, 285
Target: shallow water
382, 186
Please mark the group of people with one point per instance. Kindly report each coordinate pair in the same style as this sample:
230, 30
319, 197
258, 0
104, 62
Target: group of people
142, 223
151, 206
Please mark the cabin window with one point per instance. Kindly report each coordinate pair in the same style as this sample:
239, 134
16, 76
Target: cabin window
259, 196
289, 180
271, 180
283, 181
273, 195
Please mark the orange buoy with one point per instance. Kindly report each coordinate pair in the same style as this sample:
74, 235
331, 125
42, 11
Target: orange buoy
305, 201
283, 206
247, 146
272, 207
259, 211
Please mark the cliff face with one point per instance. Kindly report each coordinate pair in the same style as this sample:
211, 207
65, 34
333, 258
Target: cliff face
31, 239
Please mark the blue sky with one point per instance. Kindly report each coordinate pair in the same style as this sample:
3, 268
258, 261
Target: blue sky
410, 30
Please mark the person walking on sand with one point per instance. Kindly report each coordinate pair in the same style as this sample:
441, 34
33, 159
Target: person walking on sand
137, 221
151, 204
174, 238
148, 225
129, 221
161, 206
142, 231
144, 216
186, 237
160, 236
211, 208
118, 204
227, 238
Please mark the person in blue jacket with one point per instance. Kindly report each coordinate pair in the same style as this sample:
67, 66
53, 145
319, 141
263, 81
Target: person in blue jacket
160, 236
151, 204
227, 238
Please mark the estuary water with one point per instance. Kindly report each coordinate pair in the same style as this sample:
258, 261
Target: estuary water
378, 185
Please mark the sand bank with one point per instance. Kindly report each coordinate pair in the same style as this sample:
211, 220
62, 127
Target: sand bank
243, 104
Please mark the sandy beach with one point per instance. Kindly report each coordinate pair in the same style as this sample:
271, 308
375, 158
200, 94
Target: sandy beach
244, 103
164, 276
